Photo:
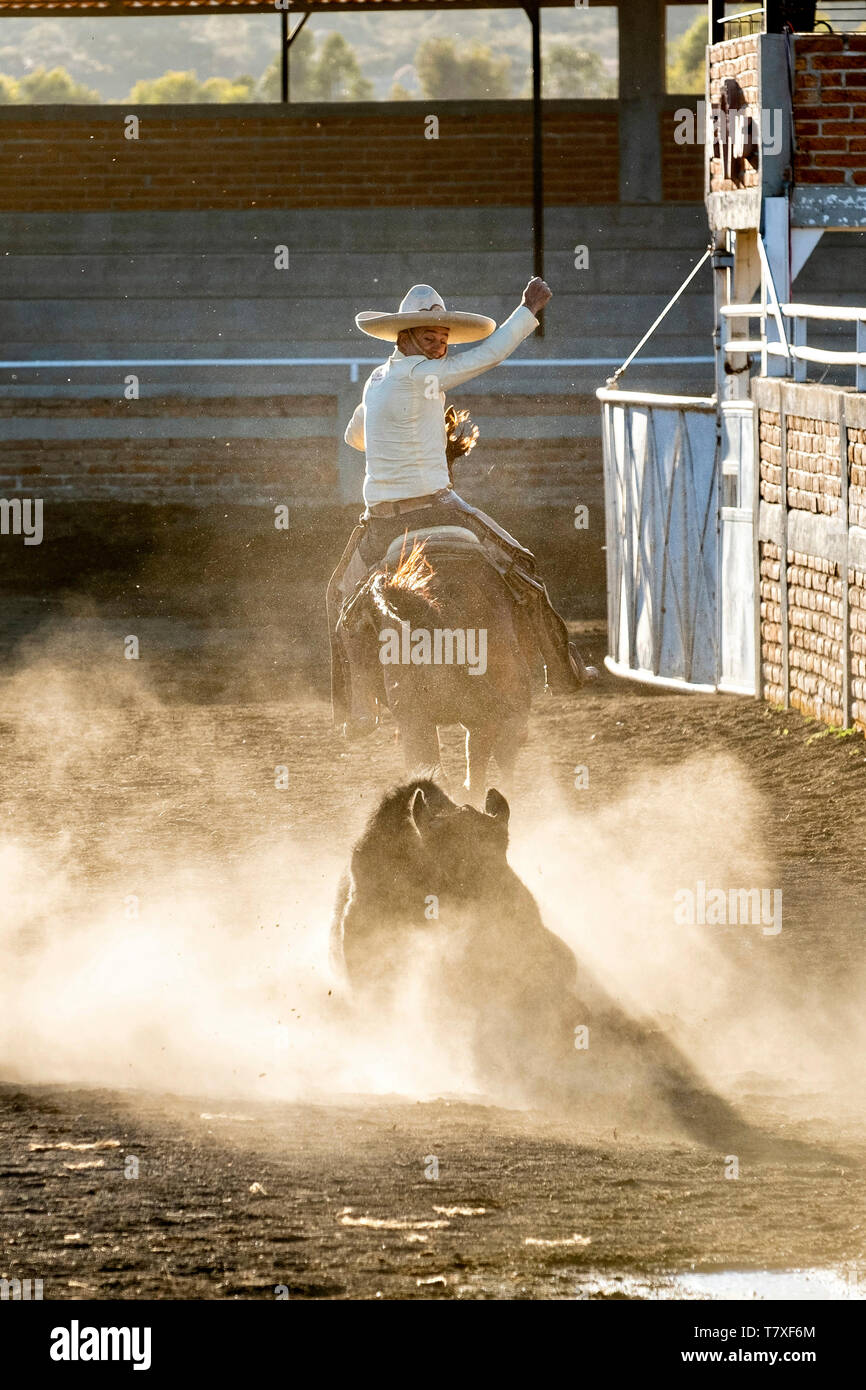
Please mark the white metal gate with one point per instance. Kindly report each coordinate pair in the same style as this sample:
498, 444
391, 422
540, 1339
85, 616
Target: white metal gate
662, 522
737, 549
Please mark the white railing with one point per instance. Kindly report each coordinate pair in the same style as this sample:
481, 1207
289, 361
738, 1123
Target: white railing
353, 363
795, 348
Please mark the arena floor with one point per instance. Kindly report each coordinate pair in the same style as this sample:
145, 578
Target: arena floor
167, 1001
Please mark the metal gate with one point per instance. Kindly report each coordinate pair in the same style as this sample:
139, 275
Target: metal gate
662, 523
737, 549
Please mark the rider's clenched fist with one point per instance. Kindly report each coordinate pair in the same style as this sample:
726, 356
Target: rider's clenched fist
536, 294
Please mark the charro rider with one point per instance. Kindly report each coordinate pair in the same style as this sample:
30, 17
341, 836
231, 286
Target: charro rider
400, 424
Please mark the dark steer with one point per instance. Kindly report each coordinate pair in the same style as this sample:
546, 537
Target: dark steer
430, 877
429, 883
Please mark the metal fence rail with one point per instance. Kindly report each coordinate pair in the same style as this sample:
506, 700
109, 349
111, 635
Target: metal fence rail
795, 349
353, 363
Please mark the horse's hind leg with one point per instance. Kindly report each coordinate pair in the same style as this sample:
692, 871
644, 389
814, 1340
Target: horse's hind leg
479, 746
509, 740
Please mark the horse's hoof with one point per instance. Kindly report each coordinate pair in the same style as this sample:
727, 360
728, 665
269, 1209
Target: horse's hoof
356, 729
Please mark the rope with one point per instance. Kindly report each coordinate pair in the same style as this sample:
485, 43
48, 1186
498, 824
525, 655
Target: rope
613, 380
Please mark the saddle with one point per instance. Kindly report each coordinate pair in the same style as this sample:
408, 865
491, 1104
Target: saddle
448, 540
437, 540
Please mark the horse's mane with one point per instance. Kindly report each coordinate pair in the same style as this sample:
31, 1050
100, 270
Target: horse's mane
404, 594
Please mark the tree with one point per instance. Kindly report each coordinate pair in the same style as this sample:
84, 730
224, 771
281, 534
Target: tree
301, 56
575, 72
338, 73
473, 74
43, 88
179, 88
332, 73
8, 90
686, 67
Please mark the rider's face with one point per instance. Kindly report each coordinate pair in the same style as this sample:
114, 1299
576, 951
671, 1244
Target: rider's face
433, 342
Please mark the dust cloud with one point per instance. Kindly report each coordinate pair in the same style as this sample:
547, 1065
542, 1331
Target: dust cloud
161, 930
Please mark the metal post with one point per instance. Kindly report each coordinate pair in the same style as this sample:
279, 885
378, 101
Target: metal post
800, 340
284, 55
534, 14
716, 15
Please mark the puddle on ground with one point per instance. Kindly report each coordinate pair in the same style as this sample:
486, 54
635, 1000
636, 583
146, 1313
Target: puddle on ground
738, 1284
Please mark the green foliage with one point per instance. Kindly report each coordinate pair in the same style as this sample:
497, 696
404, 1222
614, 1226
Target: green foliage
44, 87
574, 72
472, 74
686, 67
178, 88
331, 73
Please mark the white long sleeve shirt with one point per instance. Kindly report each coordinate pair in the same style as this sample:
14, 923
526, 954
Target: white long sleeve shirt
400, 422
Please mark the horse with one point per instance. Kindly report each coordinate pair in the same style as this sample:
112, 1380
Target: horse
444, 629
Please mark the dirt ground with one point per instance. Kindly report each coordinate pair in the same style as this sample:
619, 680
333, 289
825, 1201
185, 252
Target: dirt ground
334, 1198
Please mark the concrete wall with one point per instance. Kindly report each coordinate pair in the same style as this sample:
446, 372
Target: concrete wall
201, 284
166, 284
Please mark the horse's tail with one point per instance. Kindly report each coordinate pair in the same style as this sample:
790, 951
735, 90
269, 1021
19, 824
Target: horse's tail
404, 594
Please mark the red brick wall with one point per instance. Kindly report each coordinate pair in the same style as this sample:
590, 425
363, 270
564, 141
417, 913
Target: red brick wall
682, 165
199, 471
830, 108
77, 159
737, 58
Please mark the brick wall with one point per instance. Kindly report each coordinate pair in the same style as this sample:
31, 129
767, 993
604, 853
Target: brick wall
830, 108
737, 58
182, 470
814, 470
822, 597
857, 477
206, 467
816, 633
76, 158
682, 165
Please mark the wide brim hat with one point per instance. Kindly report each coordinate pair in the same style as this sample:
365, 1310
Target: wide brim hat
422, 307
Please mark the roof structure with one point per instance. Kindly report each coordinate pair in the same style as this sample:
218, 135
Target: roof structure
59, 8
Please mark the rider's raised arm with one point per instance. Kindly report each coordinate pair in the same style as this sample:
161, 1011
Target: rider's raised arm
465, 365
355, 429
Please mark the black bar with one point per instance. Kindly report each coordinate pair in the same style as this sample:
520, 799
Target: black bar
534, 14
284, 55
717, 14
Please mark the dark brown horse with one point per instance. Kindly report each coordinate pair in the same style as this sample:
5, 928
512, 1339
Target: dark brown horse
444, 630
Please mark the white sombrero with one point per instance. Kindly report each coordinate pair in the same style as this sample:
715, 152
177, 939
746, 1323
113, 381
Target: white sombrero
422, 307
